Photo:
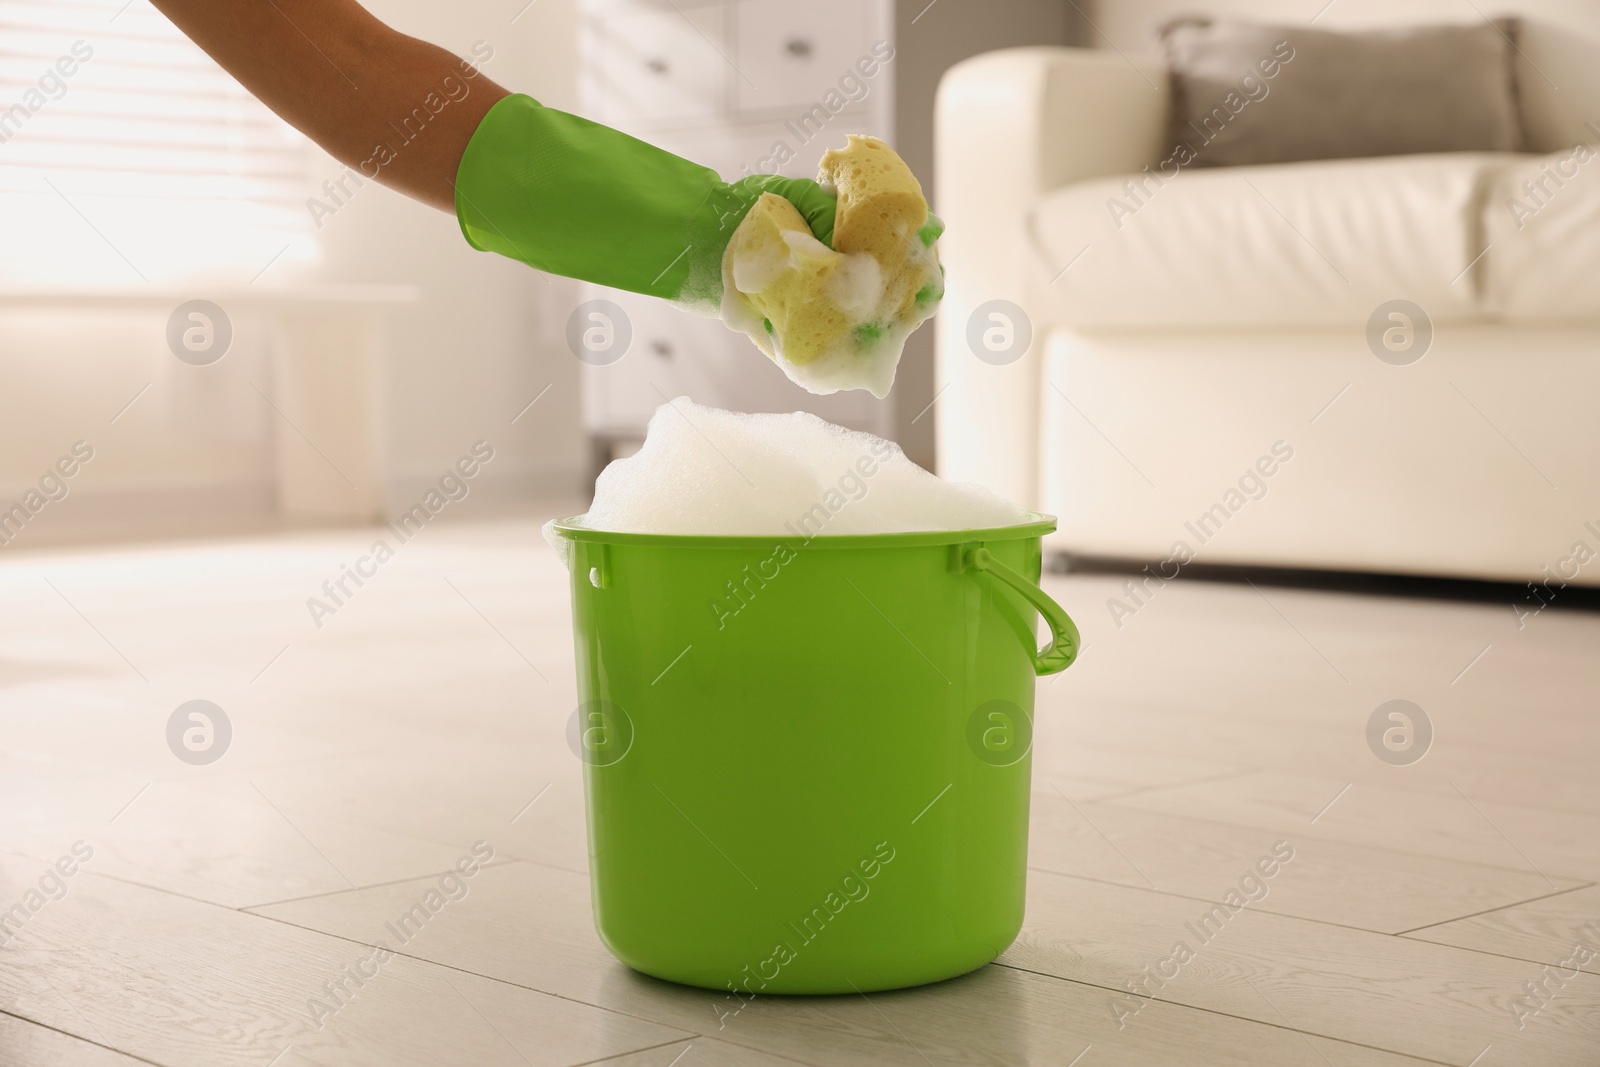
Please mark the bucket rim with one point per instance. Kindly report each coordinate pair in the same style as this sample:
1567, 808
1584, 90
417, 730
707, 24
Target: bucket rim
570, 529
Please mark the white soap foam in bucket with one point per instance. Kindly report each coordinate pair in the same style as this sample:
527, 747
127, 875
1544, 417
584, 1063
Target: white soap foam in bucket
705, 471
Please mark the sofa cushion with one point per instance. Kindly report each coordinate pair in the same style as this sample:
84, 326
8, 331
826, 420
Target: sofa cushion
1246, 92
1542, 225
1299, 244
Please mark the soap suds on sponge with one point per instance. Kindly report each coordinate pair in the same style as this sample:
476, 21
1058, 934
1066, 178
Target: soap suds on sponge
838, 318
705, 471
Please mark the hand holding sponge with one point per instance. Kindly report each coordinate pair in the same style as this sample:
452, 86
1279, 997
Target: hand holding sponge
573, 197
837, 318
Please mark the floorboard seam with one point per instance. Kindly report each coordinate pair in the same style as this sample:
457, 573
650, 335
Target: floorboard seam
1175, 785
1497, 955
1345, 843
1413, 790
498, 861
548, 993
407, 955
702, 1037
1228, 1015
487, 977
1252, 907
1206, 900
1491, 911
85, 1040
245, 909
630, 1052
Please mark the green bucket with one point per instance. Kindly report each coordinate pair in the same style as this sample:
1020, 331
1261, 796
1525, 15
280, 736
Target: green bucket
807, 761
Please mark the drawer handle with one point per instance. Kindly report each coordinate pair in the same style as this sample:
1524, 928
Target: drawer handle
798, 46
656, 65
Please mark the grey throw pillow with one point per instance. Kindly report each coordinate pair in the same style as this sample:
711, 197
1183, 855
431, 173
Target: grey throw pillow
1245, 92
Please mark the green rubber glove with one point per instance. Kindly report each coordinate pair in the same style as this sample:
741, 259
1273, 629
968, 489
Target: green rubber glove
573, 197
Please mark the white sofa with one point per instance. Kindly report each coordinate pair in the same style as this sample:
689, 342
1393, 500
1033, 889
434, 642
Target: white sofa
1200, 383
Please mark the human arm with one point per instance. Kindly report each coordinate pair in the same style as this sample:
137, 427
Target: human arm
553, 190
349, 83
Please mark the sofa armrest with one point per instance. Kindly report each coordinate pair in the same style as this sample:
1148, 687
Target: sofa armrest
1008, 127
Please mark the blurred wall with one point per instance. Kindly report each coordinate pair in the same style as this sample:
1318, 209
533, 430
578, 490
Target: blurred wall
195, 449
481, 343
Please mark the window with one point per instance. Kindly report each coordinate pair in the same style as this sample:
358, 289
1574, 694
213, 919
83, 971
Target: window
127, 154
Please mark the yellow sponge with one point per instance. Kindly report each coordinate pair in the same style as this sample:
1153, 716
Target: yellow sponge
837, 318
783, 272
880, 200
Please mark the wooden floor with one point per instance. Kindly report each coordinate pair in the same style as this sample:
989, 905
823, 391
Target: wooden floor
428, 712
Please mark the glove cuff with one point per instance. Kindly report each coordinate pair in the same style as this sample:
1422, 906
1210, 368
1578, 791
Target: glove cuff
572, 197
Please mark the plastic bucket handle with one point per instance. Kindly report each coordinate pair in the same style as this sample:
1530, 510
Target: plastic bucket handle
1062, 648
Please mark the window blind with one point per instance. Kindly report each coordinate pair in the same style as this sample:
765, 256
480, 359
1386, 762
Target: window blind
125, 152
